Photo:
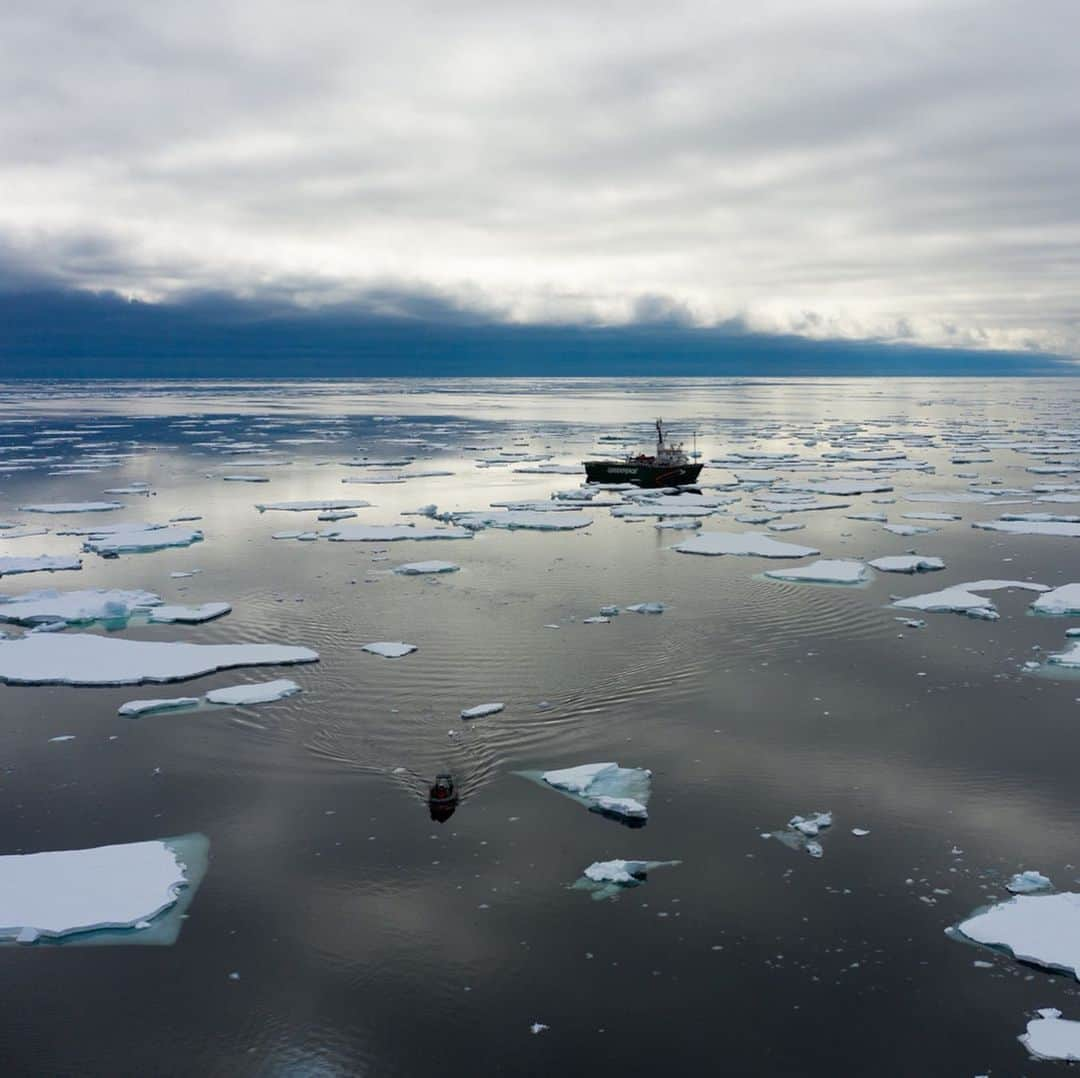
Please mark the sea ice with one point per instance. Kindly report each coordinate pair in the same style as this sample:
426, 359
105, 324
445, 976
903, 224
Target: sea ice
145, 541
480, 710
246, 478
188, 615
391, 533
264, 692
1052, 1037
389, 649
825, 571
88, 659
750, 543
71, 507
1033, 527
930, 516
134, 708
1064, 601
513, 520
420, 568
646, 608
1026, 883
62, 892
802, 831
43, 563
1040, 929
605, 879
75, 607
907, 563
907, 529
622, 792
963, 598
321, 505
1069, 658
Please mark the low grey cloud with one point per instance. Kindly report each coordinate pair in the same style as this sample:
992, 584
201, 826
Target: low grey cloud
902, 171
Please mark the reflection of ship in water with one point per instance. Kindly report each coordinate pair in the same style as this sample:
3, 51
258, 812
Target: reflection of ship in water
670, 466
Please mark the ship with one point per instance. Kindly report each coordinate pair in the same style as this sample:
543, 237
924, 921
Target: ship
670, 466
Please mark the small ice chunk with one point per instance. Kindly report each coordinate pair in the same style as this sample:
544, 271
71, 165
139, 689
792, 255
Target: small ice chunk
1027, 882
1052, 1037
646, 608
859, 832
389, 649
596, 619
480, 710
134, 708
261, 693
421, 568
907, 563
812, 824
189, 615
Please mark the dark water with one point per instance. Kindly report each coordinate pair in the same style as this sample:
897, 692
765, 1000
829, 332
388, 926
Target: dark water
369, 939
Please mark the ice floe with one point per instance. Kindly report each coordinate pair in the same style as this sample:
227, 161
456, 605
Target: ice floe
88, 659
907, 529
65, 892
1041, 929
907, 563
1061, 601
1028, 882
1029, 527
802, 832
605, 879
71, 507
515, 519
264, 692
42, 563
931, 516
825, 571
1069, 658
607, 788
480, 710
134, 708
964, 598
1052, 1037
75, 607
188, 615
745, 543
320, 505
422, 568
389, 649
391, 533
646, 608
143, 541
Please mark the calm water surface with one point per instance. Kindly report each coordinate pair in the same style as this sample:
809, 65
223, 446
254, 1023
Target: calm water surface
368, 938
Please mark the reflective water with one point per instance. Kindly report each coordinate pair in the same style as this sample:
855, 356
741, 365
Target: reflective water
370, 939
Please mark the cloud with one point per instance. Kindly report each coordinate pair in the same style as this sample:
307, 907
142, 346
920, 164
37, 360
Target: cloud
895, 171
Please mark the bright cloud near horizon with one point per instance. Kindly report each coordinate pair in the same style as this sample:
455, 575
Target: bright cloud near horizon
906, 170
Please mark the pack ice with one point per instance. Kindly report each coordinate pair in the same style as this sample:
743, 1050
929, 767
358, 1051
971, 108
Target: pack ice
824, 571
621, 792
63, 892
745, 543
42, 563
1040, 929
87, 659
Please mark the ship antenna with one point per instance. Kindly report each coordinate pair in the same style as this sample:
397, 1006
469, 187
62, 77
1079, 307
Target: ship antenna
659, 432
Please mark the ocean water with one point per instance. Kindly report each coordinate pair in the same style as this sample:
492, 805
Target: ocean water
340, 930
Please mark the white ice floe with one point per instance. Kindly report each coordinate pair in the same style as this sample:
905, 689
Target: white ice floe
825, 571
42, 563
876, 518
549, 469
907, 529
75, 607
964, 598
1052, 1037
1069, 658
23, 533
841, 487
605, 879
930, 516
622, 792
1061, 601
480, 710
63, 892
391, 533
303, 536
421, 568
680, 524
188, 615
646, 608
134, 708
748, 543
264, 692
1028, 882
319, 505
389, 649
71, 507
513, 520
597, 619
246, 478
907, 563
642, 509
143, 541
1029, 527
87, 659
1040, 929
802, 832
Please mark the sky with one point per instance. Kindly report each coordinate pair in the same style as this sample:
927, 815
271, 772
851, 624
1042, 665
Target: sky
843, 170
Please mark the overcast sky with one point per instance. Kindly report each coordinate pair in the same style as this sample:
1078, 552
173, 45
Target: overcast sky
840, 168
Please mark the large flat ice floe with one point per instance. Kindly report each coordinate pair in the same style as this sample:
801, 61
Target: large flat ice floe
1040, 929
907, 563
324, 505
134, 708
523, 519
59, 508
825, 571
1052, 1037
1069, 658
125, 888
75, 607
87, 659
1029, 527
965, 598
264, 692
1062, 601
422, 568
143, 541
42, 563
188, 615
747, 543
618, 792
